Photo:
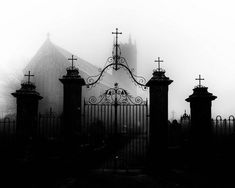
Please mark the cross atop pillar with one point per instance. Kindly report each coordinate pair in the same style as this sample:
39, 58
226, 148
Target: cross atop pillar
29, 75
72, 59
159, 61
200, 79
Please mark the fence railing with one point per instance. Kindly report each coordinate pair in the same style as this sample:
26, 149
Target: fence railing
220, 126
223, 127
7, 130
48, 127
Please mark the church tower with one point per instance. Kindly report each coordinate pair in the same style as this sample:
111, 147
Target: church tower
129, 52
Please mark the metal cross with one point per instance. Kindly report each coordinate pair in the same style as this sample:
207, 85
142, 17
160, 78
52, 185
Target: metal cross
72, 59
200, 79
117, 33
158, 61
29, 75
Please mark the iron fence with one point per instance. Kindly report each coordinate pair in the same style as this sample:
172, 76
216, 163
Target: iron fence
46, 127
7, 130
220, 126
49, 127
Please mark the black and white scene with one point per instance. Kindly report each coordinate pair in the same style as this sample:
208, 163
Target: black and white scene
117, 94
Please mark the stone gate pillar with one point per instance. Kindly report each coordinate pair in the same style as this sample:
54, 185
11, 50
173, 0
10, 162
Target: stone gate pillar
158, 130
201, 127
73, 83
27, 109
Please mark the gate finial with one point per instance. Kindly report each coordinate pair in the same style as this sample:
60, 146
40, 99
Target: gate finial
72, 59
117, 33
29, 75
200, 79
116, 57
159, 69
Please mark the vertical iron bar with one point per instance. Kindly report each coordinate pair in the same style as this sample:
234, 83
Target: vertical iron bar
111, 119
87, 122
108, 121
147, 126
115, 118
127, 132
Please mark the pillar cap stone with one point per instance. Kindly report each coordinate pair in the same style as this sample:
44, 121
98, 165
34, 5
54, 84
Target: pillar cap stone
159, 78
27, 89
200, 93
72, 76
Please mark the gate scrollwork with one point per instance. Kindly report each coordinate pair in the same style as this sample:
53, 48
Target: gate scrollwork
117, 96
116, 61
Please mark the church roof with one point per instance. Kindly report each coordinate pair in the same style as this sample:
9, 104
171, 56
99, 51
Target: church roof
59, 58
49, 64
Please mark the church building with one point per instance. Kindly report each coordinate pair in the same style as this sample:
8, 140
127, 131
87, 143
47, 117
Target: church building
50, 63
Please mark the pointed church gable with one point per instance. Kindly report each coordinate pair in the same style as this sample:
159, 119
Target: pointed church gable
49, 64
88, 68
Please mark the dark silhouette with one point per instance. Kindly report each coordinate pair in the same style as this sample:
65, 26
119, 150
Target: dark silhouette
158, 139
175, 133
73, 83
112, 133
27, 108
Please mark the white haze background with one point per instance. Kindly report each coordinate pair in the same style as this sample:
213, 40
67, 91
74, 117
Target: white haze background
193, 37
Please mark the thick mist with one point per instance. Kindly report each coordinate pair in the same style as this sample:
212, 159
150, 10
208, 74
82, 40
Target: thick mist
192, 37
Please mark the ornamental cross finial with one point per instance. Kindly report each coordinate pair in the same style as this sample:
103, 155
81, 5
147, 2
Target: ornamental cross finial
158, 61
29, 75
200, 79
72, 59
117, 33
116, 48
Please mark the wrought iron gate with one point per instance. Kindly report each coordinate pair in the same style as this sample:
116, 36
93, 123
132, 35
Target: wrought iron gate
119, 123
116, 121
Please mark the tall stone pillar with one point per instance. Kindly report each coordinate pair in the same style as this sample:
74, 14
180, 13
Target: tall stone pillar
158, 130
27, 110
201, 132
201, 127
73, 83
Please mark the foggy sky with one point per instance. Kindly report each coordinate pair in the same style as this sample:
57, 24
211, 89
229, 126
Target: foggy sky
193, 37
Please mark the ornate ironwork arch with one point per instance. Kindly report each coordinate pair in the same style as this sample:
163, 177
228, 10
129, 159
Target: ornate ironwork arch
116, 96
116, 62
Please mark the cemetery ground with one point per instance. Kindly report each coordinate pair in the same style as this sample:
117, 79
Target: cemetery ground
47, 167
